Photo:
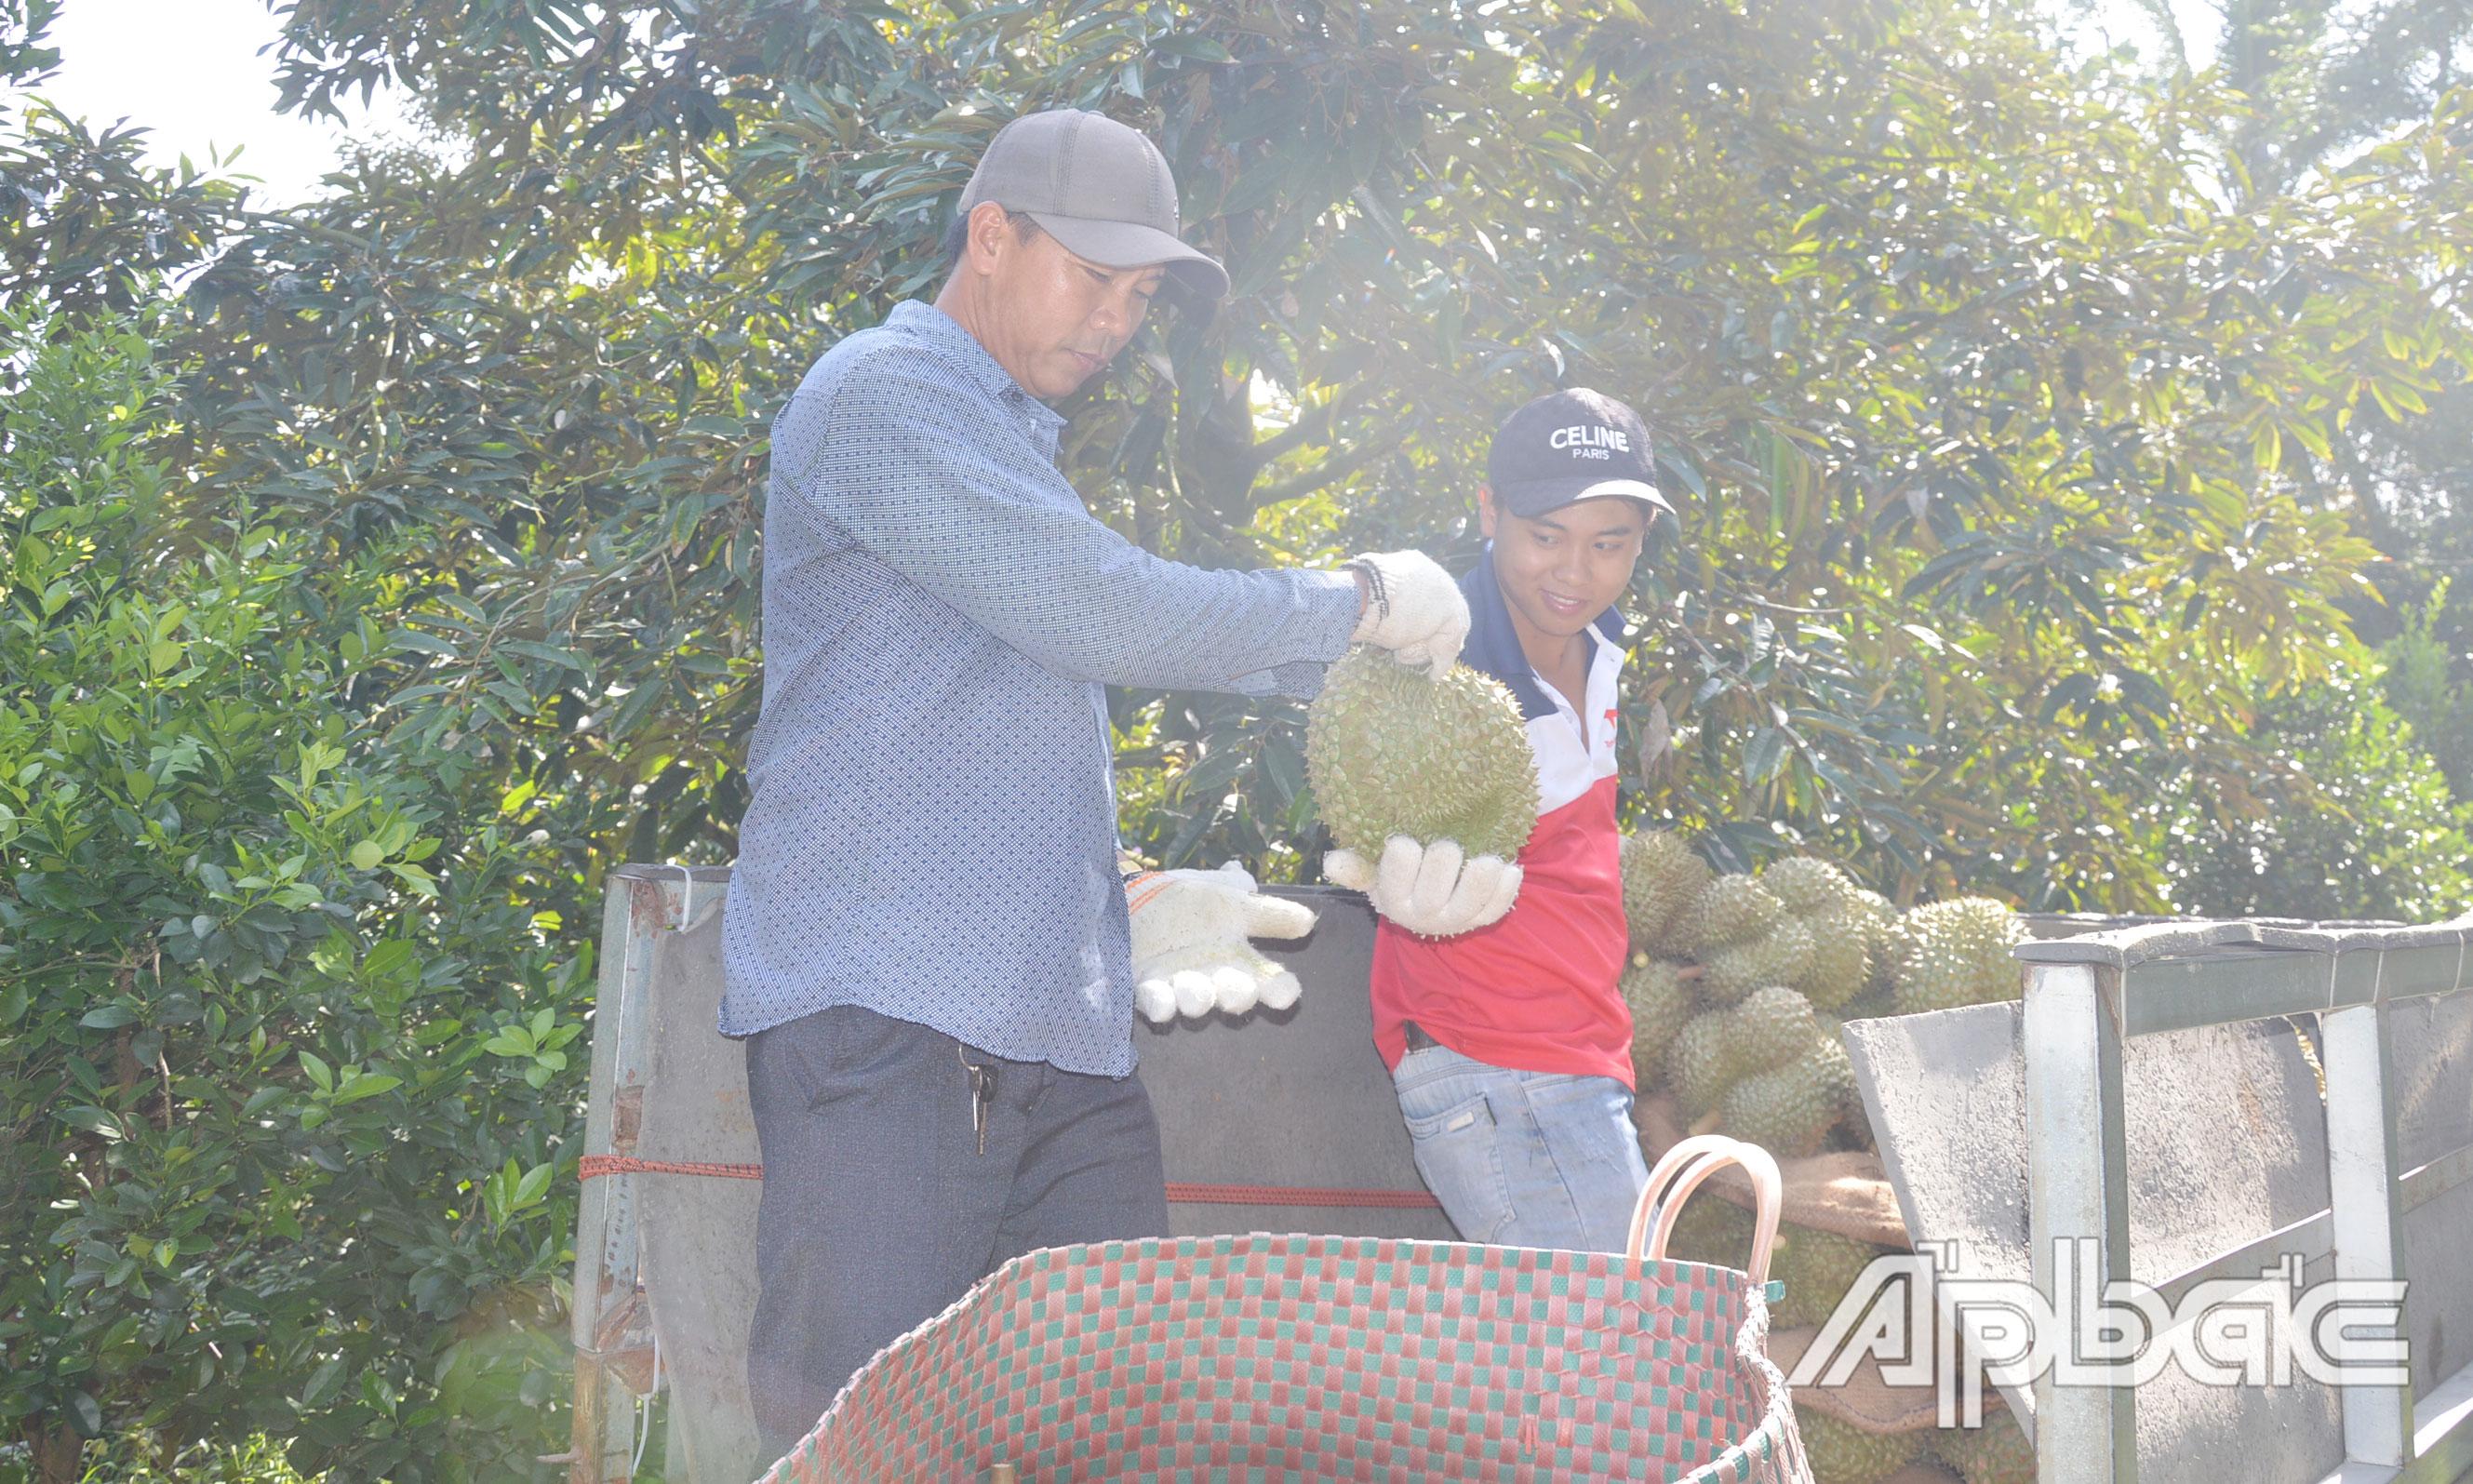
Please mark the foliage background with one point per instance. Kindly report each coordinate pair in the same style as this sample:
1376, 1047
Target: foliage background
2069, 493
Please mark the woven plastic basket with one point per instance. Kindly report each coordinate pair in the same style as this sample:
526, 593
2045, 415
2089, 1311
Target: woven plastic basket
1321, 1357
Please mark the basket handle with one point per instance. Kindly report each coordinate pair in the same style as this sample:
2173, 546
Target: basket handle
1680, 1172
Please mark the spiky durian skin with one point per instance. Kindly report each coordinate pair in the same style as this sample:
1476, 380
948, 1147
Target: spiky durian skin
1782, 955
1957, 952
1712, 1231
1660, 1001
1390, 752
1701, 1061
1838, 1075
1885, 943
1819, 1269
1772, 1028
1996, 1452
1842, 1453
1729, 909
1854, 1129
1841, 964
1785, 1110
1661, 874
1808, 886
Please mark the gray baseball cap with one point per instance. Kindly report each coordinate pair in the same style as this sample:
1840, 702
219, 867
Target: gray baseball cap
1096, 186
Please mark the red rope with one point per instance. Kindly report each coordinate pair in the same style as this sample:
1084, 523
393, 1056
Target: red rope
595, 1165
1301, 1195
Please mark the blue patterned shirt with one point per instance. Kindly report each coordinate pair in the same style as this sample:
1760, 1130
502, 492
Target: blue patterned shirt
932, 832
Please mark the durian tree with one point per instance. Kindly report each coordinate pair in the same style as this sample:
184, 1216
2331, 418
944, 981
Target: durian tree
1979, 413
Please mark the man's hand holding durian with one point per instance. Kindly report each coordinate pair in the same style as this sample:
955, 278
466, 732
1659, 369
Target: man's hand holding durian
1190, 953
1434, 891
1413, 607
1425, 783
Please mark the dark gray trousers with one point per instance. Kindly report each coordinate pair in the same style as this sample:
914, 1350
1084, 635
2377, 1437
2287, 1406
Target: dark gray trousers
879, 1208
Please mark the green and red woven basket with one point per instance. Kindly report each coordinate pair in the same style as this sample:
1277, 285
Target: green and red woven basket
1323, 1358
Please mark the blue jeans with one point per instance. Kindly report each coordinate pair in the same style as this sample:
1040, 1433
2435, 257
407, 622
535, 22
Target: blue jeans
1522, 1159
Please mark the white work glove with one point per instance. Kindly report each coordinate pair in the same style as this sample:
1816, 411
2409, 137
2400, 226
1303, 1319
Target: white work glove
1412, 609
1190, 956
1428, 889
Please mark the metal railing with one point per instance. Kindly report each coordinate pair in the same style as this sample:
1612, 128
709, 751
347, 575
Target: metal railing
2086, 996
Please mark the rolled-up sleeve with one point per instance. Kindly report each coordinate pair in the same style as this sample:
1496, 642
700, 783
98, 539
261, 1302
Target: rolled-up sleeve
904, 468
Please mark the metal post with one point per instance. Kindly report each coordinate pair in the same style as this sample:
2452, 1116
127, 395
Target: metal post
611, 1323
2368, 1217
2077, 1173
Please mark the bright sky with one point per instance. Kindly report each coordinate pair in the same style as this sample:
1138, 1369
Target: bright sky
2097, 24
194, 72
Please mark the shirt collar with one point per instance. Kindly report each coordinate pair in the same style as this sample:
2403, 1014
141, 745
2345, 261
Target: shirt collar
1493, 645
962, 349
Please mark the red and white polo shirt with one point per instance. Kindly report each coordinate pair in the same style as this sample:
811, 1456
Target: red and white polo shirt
1535, 992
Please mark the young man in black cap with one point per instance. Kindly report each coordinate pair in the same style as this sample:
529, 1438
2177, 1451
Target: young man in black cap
1510, 1045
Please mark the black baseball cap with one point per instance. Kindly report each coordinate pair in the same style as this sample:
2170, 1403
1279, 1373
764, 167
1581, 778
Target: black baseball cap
1574, 445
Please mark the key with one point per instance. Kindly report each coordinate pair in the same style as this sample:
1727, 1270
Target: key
983, 1097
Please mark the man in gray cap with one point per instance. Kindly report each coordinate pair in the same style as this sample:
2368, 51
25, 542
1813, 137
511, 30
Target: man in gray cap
926, 943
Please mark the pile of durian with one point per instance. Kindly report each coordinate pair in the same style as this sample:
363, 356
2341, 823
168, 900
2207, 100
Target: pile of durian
1738, 985
1818, 1268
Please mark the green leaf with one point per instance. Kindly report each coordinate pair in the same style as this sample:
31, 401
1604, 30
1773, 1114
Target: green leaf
1767, 754
365, 1086
532, 1188
94, 1120
535, 650
323, 1383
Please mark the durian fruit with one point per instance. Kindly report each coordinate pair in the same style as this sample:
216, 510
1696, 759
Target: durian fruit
1838, 1075
1660, 999
1887, 947
1772, 1027
1837, 1068
1854, 1129
1787, 1109
1841, 964
1712, 1231
1390, 752
1700, 1061
1782, 955
1661, 874
1808, 887
1957, 952
1729, 909
1842, 1453
1996, 1452
1819, 1269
